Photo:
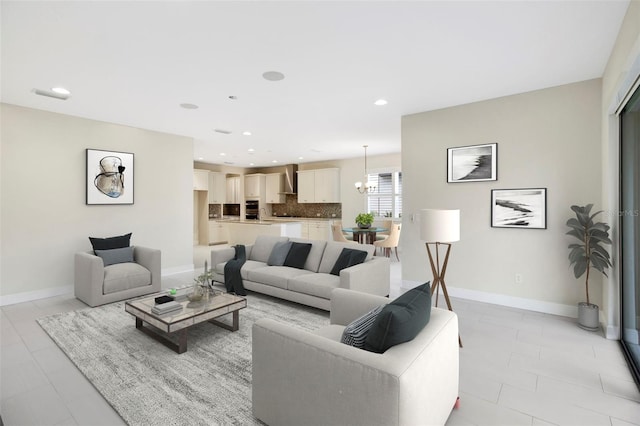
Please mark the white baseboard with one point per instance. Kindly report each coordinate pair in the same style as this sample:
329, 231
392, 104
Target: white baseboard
177, 270
504, 300
612, 332
28, 296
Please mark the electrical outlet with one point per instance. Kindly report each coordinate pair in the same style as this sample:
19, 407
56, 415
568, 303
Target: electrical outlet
518, 278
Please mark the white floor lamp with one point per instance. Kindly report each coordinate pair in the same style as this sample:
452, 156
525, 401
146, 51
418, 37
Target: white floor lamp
440, 227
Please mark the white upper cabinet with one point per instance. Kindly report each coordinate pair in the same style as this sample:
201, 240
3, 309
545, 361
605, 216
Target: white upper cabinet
200, 180
217, 188
233, 190
254, 186
274, 188
319, 186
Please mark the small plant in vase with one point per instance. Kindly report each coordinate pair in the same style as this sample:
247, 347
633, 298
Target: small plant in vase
201, 284
364, 220
587, 254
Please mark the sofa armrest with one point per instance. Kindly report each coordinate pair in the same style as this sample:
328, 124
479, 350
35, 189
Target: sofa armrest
88, 277
372, 276
347, 305
152, 260
221, 254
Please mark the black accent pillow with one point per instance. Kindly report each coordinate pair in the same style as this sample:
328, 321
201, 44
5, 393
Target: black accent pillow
111, 242
401, 320
279, 253
348, 257
297, 256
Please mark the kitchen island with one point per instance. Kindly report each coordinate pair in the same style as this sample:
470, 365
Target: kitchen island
246, 231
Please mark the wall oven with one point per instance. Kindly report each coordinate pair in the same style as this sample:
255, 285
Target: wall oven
252, 209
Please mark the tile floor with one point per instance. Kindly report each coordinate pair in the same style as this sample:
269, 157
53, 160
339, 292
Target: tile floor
516, 368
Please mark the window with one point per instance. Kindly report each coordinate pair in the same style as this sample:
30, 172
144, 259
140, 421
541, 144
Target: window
387, 200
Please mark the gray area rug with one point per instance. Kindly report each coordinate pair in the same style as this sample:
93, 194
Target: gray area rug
149, 384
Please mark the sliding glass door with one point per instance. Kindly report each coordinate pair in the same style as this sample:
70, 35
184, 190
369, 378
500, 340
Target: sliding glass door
630, 230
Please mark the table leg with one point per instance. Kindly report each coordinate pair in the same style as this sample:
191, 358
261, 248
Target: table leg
235, 325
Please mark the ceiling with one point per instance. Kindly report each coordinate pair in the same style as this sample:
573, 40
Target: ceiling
134, 63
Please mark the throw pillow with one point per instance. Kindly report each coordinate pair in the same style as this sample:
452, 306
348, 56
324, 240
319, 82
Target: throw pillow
113, 256
111, 242
279, 253
356, 332
348, 257
401, 320
297, 255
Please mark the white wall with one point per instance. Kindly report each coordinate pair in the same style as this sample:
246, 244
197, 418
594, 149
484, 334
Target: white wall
44, 219
548, 138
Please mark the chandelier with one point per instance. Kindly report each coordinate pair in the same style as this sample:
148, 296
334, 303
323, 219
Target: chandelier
368, 186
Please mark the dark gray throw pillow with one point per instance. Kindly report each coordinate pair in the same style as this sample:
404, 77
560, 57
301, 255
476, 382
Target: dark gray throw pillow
401, 320
279, 253
111, 242
297, 255
113, 256
357, 331
348, 257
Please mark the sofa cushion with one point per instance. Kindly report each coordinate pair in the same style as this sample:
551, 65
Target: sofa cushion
125, 276
113, 256
111, 242
263, 246
332, 252
297, 255
401, 320
314, 284
347, 258
279, 253
356, 332
248, 266
275, 276
315, 255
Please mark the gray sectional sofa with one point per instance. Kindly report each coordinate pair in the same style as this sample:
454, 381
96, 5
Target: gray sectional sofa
311, 285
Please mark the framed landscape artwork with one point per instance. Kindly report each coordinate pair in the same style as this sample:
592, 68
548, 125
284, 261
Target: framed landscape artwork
519, 208
109, 177
472, 163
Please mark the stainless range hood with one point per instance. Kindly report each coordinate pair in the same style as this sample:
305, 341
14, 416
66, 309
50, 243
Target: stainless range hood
290, 179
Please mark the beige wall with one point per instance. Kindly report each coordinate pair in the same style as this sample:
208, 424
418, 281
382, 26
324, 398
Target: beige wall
44, 219
617, 79
548, 138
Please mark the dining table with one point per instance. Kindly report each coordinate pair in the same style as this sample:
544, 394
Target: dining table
365, 235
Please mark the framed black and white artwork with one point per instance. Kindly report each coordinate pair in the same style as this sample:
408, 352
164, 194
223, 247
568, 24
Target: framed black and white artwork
519, 208
472, 163
109, 177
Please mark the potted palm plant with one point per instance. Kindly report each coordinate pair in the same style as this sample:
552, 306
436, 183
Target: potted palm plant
588, 254
364, 220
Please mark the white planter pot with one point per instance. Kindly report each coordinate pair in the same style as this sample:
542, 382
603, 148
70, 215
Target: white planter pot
588, 316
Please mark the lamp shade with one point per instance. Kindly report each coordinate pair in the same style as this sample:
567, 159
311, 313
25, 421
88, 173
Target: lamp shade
440, 226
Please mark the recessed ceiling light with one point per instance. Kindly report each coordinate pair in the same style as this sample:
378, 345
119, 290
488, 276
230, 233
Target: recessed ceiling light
273, 76
224, 132
380, 102
274, 161
222, 154
300, 158
189, 106
246, 133
60, 90
200, 158
50, 94
251, 164
251, 150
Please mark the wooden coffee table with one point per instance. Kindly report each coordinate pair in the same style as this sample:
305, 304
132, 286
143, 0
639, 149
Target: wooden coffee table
176, 323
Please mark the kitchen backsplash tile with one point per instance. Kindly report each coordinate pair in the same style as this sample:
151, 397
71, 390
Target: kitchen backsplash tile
291, 207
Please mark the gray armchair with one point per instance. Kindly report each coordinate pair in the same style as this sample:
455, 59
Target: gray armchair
96, 284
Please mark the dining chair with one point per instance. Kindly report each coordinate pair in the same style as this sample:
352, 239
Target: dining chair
391, 241
336, 229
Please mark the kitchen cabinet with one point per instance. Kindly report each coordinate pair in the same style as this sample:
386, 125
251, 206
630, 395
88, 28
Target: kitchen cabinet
254, 185
217, 188
200, 180
319, 186
233, 190
318, 231
274, 187
218, 232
